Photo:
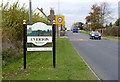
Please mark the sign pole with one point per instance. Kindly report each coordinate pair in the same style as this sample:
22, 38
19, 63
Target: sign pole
53, 27
56, 30
24, 43
59, 29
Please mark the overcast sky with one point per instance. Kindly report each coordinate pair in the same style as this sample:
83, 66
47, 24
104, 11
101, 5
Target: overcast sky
74, 10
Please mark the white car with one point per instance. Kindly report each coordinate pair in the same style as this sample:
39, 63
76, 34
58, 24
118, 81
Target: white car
95, 35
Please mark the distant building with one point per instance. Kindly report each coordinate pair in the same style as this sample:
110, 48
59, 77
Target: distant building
86, 25
119, 9
52, 15
48, 18
42, 14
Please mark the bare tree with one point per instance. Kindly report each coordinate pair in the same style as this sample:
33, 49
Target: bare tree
105, 13
94, 17
99, 16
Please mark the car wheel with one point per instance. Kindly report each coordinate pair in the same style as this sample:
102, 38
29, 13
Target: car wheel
99, 38
91, 37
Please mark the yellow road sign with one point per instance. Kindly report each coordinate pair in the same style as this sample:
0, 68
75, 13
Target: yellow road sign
59, 19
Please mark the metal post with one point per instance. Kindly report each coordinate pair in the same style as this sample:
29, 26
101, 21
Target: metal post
30, 12
24, 43
53, 28
59, 27
56, 30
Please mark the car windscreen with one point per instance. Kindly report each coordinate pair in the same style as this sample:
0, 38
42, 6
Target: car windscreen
96, 33
75, 27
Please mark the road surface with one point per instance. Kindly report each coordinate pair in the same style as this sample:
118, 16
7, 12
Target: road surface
100, 55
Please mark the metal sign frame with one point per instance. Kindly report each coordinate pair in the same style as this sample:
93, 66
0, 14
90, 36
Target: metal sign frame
36, 34
38, 48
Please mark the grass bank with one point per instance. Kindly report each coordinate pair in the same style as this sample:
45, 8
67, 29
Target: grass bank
69, 65
102, 36
0, 68
111, 37
81, 31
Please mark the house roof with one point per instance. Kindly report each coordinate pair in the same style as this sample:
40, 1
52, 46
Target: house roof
42, 12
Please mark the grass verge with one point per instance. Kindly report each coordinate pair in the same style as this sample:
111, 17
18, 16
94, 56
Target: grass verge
102, 36
111, 37
69, 65
0, 68
84, 32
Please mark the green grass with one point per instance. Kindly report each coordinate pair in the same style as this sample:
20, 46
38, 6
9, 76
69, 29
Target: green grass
0, 56
84, 32
69, 65
0, 68
102, 36
112, 37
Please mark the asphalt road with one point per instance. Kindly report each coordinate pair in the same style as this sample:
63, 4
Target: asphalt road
100, 55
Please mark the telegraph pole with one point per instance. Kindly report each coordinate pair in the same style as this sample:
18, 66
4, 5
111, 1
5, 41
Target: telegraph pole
59, 26
30, 12
119, 12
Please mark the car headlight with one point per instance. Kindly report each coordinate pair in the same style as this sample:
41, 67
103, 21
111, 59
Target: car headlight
99, 34
93, 35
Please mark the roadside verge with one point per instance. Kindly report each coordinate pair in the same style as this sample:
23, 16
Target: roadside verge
113, 38
69, 65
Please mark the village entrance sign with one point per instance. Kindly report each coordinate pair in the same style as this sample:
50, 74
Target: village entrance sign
38, 35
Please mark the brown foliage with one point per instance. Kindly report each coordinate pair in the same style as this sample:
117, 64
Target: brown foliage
112, 31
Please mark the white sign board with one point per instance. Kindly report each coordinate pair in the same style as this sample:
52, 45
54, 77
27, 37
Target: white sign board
39, 34
39, 40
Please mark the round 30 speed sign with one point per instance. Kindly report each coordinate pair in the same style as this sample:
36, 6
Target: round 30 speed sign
60, 19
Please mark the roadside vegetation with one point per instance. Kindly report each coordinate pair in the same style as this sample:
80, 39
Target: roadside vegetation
111, 31
12, 28
100, 19
112, 37
100, 15
87, 32
69, 65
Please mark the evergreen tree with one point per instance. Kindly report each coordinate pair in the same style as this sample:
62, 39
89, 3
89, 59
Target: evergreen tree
117, 23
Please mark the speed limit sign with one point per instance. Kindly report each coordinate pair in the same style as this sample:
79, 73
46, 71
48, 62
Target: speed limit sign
59, 19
